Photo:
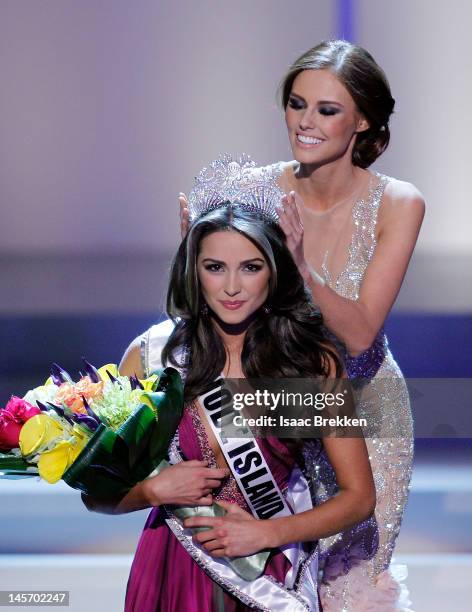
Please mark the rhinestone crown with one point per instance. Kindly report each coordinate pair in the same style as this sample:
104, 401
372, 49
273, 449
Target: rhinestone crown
238, 181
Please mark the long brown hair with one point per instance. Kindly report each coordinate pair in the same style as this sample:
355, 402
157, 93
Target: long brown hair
284, 339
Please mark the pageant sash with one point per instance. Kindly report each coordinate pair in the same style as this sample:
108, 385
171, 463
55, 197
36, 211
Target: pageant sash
257, 591
263, 593
244, 457
242, 576
253, 475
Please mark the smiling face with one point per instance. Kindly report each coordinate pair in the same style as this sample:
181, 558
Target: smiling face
234, 275
322, 118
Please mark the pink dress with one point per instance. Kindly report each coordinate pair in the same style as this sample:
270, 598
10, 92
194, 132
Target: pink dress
163, 576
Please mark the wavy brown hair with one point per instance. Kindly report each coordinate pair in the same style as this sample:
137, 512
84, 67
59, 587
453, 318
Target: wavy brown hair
288, 341
367, 84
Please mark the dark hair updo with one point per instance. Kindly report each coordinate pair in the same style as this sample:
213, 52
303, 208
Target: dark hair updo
367, 84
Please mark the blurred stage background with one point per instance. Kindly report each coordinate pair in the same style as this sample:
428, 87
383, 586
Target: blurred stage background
107, 110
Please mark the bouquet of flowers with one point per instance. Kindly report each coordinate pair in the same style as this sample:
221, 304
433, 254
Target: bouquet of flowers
101, 434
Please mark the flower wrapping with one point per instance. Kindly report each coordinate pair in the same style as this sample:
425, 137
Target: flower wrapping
101, 435
113, 462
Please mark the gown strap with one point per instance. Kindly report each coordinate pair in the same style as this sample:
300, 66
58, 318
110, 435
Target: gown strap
152, 342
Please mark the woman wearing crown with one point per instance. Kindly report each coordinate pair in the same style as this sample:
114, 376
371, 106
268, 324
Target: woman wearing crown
238, 308
352, 233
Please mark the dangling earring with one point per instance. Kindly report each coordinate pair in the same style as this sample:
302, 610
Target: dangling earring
266, 309
204, 309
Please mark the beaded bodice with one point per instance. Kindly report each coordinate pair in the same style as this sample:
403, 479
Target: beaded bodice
348, 281
363, 242
340, 243
229, 490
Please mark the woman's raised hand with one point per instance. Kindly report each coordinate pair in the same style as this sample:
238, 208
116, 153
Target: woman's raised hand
188, 483
184, 214
290, 222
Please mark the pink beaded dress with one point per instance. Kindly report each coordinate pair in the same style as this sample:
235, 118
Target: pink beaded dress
164, 577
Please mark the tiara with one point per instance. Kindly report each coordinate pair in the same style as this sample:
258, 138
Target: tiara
238, 181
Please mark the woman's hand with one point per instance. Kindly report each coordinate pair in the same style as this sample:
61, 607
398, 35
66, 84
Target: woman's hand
236, 534
290, 222
184, 214
188, 483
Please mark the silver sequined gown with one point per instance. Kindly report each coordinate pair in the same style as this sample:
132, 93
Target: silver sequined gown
352, 583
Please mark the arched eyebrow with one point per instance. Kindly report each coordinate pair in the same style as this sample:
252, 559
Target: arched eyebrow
246, 261
254, 259
302, 99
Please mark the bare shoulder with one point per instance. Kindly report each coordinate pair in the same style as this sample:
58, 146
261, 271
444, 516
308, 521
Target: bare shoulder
403, 195
130, 363
150, 342
402, 203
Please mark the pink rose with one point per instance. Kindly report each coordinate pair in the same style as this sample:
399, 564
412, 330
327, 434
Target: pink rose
20, 409
9, 431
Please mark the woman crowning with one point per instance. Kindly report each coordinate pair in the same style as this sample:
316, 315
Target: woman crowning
261, 246
352, 232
